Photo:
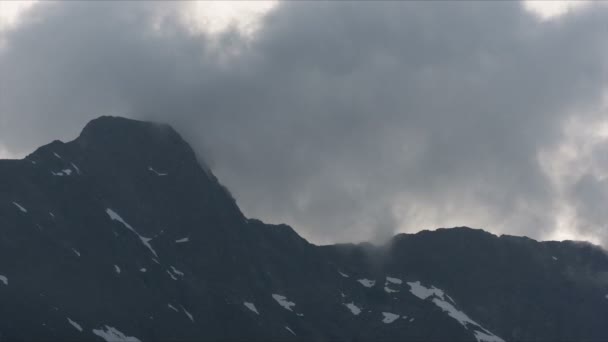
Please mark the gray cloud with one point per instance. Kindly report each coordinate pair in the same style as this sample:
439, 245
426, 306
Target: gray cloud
349, 121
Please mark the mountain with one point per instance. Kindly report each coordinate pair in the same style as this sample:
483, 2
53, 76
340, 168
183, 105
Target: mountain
122, 235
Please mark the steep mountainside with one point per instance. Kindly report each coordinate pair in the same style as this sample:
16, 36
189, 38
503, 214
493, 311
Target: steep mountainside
122, 234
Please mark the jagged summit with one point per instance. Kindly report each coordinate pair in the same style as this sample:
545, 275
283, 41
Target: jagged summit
122, 235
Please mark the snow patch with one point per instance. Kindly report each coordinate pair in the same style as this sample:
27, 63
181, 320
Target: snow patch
554, 258
20, 207
344, 274
480, 336
117, 269
282, 300
389, 290
74, 324
353, 308
111, 334
251, 307
143, 270
144, 240
76, 252
423, 292
4, 279
389, 317
438, 299
64, 172
367, 282
182, 240
394, 280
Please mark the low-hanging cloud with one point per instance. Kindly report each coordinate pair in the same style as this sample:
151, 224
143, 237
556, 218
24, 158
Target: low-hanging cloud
350, 121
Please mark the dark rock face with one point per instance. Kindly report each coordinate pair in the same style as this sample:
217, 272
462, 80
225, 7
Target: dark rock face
122, 234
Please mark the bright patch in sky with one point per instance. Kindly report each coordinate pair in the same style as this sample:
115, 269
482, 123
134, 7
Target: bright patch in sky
217, 16
4, 153
552, 9
10, 11
202, 16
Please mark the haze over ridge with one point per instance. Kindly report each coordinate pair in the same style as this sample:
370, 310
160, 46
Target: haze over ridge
348, 121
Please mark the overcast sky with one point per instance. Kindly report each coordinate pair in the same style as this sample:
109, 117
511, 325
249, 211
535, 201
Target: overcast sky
348, 121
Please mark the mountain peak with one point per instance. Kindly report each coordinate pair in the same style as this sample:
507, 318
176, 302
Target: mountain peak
118, 133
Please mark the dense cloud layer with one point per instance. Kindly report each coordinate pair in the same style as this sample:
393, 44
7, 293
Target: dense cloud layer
349, 121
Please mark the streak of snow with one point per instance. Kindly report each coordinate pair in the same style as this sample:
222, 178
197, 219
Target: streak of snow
187, 313
282, 300
438, 299
76, 252
554, 258
171, 275
291, 331
389, 317
20, 207
344, 274
480, 336
353, 308
144, 240
172, 307
460, 316
56, 155
117, 269
367, 282
4, 279
156, 172
182, 240
251, 307
111, 334
74, 324
76, 168
176, 271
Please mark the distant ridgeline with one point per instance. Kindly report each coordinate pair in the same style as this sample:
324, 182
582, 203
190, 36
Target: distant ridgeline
121, 235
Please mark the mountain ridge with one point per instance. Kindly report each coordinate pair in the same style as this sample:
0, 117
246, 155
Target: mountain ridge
103, 237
